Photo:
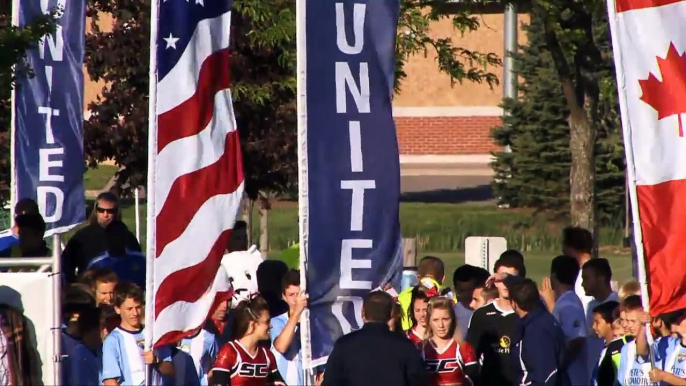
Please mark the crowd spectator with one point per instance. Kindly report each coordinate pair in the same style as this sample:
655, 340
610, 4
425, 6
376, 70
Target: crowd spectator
448, 359
539, 343
270, 274
671, 355
90, 241
123, 358
466, 278
578, 243
218, 325
373, 355
129, 265
635, 362
482, 296
493, 326
102, 282
31, 232
569, 313
631, 287
285, 330
431, 274
243, 361
10, 237
604, 316
420, 304
86, 358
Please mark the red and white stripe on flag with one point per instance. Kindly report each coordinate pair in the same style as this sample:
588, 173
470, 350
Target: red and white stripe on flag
197, 172
649, 40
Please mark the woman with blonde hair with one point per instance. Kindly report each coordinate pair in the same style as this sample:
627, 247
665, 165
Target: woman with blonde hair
447, 358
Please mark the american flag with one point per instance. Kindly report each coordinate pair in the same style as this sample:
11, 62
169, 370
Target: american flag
196, 171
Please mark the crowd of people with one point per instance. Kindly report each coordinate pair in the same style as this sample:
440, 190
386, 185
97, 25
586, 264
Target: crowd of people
491, 328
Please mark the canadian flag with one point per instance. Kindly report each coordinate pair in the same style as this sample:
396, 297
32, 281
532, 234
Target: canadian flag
649, 41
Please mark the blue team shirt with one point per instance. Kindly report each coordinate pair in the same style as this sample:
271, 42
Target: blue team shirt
68, 343
130, 267
194, 358
85, 366
122, 357
289, 363
674, 357
7, 239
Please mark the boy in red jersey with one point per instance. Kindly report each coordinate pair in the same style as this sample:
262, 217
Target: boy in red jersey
242, 362
447, 359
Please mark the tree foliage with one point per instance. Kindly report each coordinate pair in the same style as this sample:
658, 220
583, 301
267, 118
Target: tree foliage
536, 172
263, 81
14, 43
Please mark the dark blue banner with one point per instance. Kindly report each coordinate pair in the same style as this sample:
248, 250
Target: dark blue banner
48, 161
353, 176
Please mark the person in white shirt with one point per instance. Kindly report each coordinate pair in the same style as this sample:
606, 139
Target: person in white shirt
466, 279
597, 278
569, 313
578, 243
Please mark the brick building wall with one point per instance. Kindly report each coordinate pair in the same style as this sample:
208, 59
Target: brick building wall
436, 118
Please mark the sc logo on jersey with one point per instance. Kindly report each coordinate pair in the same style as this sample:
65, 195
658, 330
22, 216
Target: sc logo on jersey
259, 370
441, 365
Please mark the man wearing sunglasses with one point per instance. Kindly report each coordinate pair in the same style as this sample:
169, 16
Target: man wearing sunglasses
91, 242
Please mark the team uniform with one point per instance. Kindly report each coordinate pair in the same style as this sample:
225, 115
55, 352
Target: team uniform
674, 356
236, 367
193, 358
569, 313
452, 365
290, 362
633, 369
85, 366
605, 372
414, 337
130, 267
490, 333
68, 343
122, 357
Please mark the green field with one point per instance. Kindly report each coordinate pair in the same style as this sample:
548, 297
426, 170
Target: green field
442, 228
96, 179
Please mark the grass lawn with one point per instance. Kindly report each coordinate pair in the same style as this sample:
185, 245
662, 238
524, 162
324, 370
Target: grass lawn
441, 229
96, 179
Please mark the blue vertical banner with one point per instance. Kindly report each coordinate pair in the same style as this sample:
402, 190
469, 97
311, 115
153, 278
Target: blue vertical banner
47, 137
350, 148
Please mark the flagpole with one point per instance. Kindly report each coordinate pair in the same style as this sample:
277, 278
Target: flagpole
13, 128
630, 171
150, 190
303, 200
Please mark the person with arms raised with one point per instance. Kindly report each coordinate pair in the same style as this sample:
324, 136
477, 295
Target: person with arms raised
285, 330
492, 326
242, 362
374, 355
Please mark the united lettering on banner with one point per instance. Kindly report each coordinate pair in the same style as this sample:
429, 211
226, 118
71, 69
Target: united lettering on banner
350, 187
47, 134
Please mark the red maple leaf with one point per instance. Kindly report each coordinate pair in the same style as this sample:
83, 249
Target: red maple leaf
669, 96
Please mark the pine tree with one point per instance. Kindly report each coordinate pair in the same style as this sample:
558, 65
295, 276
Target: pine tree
536, 173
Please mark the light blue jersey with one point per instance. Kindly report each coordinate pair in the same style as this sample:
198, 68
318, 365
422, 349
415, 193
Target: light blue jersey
289, 363
674, 357
194, 359
634, 369
122, 357
85, 366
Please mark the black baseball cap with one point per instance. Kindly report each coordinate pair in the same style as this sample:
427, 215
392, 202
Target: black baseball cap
25, 206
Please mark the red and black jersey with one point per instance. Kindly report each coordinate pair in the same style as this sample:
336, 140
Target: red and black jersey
235, 366
416, 339
450, 365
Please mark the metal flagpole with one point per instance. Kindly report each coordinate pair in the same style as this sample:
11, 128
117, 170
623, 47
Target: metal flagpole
57, 304
138, 214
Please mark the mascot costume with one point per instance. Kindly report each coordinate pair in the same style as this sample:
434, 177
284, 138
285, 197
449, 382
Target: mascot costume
241, 267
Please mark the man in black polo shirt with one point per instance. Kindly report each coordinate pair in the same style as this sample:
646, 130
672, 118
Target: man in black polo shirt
493, 326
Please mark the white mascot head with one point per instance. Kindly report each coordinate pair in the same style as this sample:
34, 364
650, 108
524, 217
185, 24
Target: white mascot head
241, 267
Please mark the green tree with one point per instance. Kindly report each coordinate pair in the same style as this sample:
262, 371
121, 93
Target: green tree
536, 173
14, 43
263, 81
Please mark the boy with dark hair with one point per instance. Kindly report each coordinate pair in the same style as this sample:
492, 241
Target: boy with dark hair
431, 274
492, 327
604, 315
285, 330
75, 301
465, 280
569, 313
578, 243
86, 359
10, 237
123, 358
539, 344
